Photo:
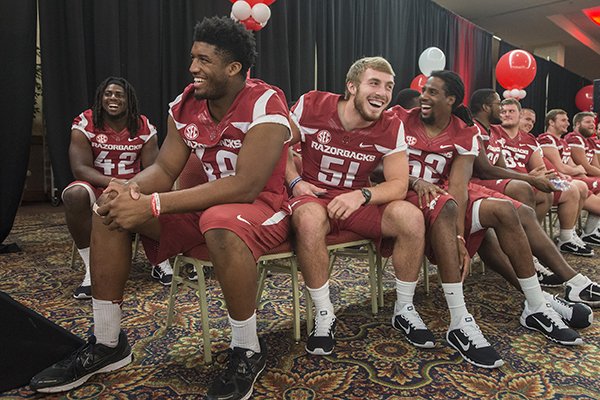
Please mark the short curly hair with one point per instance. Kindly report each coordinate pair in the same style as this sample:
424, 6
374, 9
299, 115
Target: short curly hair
232, 40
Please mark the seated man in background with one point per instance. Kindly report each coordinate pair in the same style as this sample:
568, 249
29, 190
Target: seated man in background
239, 129
407, 99
112, 140
343, 139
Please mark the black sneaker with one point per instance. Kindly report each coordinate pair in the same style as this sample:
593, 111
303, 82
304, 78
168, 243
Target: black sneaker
74, 371
237, 381
575, 246
589, 293
83, 292
591, 239
550, 324
546, 277
576, 315
321, 340
409, 322
163, 273
192, 273
468, 340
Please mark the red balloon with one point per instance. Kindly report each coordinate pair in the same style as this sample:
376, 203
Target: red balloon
251, 24
516, 69
418, 82
584, 99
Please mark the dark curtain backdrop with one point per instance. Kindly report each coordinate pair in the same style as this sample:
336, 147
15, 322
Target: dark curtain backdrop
17, 84
398, 30
563, 85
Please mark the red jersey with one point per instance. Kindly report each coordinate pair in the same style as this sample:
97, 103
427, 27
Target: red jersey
217, 145
431, 158
115, 153
516, 151
587, 144
492, 149
335, 158
549, 140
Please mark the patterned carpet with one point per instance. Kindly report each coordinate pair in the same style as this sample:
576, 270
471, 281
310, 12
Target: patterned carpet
371, 360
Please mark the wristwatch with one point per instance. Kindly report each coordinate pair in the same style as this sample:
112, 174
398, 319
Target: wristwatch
367, 195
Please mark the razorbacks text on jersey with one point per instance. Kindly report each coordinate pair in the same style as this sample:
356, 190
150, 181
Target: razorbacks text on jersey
217, 145
335, 158
431, 158
115, 153
516, 151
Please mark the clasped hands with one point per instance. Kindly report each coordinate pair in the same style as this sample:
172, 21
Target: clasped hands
122, 206
340, 207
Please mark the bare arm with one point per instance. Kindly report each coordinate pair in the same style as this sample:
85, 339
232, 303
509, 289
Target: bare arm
82, 161
149, 152
578, 156
553, 156
460, 174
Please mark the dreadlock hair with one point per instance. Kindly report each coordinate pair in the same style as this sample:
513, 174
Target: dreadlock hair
480, 98
133, 114
231, 39
454, 86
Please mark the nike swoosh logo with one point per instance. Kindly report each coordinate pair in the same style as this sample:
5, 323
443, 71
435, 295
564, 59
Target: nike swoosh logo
240, 218
363, 146
547, 328
465, 347
446, 146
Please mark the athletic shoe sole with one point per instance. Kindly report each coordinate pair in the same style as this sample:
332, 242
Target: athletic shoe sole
497, 364
108, 368
318, 351
576, 342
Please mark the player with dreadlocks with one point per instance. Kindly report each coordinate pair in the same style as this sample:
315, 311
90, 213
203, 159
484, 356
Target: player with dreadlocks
109, 141
442, 146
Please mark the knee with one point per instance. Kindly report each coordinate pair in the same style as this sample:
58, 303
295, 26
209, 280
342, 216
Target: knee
527, 214
405, 219
309, 221
521, 191
222, 240
505, 214
76, 197
449, 211
572, 195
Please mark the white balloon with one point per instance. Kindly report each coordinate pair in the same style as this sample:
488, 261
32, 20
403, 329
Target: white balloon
514, 93
241, 10
261, 13
506, 94
233, 17
522, 94
431, 59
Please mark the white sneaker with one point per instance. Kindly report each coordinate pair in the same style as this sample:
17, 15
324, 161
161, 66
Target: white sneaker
576, 315
468, 340
550, 324
163, 272
408, 321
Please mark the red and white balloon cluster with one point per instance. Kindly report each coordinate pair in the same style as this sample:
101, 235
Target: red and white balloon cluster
431, 59
254, 14
514, 71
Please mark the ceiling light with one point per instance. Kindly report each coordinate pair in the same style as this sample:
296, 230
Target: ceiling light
593, 14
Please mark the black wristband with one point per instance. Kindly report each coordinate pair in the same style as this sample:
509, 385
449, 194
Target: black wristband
367, 195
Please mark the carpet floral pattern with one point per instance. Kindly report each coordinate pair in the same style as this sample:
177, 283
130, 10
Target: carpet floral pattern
371, 359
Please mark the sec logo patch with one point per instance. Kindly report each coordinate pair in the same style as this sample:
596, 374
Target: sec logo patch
191, 132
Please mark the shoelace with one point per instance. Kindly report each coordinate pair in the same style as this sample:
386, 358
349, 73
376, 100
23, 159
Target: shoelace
561, 306
415, 319
323, 325
578, 240
539, 267
554, 317
233, 360
475, 335
87, 348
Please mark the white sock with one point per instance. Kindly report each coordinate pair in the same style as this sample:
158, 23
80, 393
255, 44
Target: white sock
405, 292
320, 297
566, 234
243, 334
591, 223
456, 303
107, 321
578, 280
85, 256
532, 291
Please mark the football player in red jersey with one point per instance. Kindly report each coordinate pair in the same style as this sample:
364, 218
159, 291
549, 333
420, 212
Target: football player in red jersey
442, 149
112, 140
239, 129
343, 139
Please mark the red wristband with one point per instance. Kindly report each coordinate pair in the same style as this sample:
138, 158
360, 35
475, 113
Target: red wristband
155, 204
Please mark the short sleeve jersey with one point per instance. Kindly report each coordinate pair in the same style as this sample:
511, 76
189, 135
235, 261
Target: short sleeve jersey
517, 151
335, 158
218, 145
549, 140
587, 144
492, 150
431, 158
115, 153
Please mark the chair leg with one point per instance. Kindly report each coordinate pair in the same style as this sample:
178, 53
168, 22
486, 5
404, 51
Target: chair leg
295, 299
373, 279
73, 252
173, 291
262, 275
380, 269
136, 245
426, 276
204, 311
310, 317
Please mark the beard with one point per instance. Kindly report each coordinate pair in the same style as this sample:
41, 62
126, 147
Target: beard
585, 132
215, 90
115, 117
494, 120
359, 105
430, 120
